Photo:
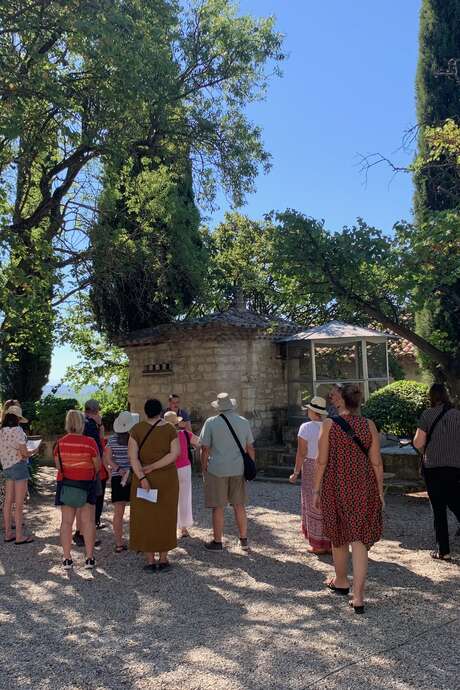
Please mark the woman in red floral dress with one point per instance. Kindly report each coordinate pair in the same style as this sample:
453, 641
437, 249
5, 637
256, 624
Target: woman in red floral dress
349, 488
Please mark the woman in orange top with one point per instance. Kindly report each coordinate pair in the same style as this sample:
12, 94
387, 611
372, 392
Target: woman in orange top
77, 458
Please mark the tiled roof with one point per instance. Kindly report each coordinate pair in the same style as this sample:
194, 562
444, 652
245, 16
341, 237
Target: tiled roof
336, 330
232, 319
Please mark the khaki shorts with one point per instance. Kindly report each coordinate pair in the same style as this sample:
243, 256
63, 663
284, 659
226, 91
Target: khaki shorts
220, 491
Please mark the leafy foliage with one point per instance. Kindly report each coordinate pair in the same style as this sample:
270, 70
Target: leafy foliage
385, 278
85, 85
113, 400
47, 416
396, 408
157, 262
437, 179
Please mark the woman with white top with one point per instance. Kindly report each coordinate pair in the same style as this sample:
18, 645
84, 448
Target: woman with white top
14, 456
307, 453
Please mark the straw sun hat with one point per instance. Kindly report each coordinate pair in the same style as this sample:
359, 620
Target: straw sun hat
172, 418
318, 405
16, 410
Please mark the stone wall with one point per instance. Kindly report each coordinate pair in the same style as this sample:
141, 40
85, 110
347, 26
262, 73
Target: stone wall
197, 368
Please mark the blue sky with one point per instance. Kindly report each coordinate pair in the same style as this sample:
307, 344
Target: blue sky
347, 89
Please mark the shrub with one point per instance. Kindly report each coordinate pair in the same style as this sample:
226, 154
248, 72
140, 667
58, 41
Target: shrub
47, 416
396, 408
113, 400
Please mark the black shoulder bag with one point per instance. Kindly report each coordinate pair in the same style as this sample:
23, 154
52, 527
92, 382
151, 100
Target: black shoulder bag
343, 424
250, 469
190, 452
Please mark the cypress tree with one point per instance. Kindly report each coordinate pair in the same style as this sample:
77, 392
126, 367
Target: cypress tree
438, 98
438, 183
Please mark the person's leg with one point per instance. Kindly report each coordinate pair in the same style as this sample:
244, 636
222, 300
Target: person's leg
241, 520
218, 523
184, 512
20, 491
8, 507
118, 512
163, 557
67, 518
437, 493
453, 491
360, 561
341, 555
88, 526
100, 503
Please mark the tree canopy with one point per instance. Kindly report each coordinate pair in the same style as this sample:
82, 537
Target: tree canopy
89, 90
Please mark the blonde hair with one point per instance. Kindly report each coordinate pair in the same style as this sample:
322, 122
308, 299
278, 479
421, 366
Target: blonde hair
74, 422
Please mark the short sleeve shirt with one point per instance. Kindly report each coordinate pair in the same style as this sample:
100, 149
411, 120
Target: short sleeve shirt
309, 431
444, 447
225, 457
119, 455
77, 454
10, 440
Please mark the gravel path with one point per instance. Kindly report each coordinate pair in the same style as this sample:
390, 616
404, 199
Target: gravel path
229, 621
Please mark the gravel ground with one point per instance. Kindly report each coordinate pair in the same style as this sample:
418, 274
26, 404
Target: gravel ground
229, 621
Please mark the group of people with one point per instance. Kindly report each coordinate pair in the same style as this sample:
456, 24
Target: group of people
149, 466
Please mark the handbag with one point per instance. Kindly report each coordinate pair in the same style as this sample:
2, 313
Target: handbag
190, 450
74, 492
250, 469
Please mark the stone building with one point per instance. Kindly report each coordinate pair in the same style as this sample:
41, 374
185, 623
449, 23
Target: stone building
233, 351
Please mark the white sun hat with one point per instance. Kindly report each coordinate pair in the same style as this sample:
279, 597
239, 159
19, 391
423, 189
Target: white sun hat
125, 422
224, 402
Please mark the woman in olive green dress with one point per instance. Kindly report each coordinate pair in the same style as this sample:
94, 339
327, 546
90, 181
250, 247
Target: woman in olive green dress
153, 448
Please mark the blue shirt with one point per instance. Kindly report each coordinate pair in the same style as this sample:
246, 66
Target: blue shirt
92, 430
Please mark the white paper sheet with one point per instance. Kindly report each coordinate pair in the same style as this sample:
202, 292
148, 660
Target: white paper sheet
33, 445
151, 495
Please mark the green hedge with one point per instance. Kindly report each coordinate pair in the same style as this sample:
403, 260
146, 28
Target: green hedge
47, 416
396, 408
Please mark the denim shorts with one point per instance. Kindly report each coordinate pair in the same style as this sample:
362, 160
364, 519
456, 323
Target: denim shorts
17, 472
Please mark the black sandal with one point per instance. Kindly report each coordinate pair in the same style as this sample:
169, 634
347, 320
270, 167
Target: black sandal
344, 591
357, 609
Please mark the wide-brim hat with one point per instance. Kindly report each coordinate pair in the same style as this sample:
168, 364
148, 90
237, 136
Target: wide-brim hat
125, 422
172, 418
16, 410
224, 402
318, 405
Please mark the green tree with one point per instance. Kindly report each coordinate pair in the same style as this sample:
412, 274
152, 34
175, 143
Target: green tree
86, 85
384, 278
438, 99
243, 264
437, 171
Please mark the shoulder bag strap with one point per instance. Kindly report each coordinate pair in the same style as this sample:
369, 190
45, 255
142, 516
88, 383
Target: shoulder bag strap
146, 437
189, 446
429, 435
343, 424
232, 431
60, 459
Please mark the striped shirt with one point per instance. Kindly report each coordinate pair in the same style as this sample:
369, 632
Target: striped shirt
119, 455
77, 454
444, 447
